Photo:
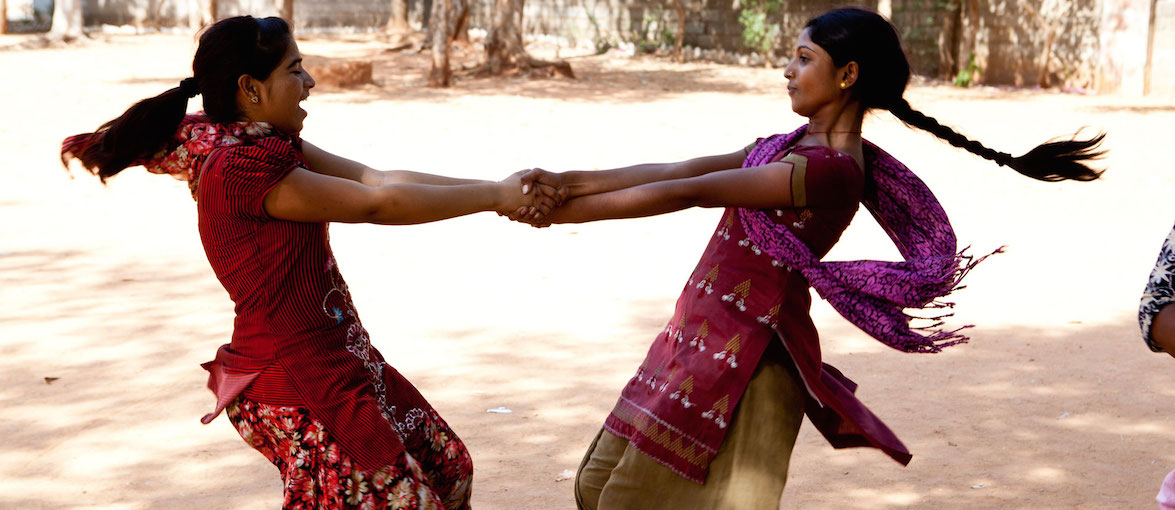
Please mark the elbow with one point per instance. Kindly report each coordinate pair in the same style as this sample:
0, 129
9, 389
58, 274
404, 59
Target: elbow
382, 207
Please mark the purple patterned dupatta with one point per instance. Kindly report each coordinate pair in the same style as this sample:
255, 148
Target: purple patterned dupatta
872, 294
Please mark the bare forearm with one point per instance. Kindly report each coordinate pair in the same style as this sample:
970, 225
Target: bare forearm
580, 183
407, 204
635, 202
590, 182
385, 177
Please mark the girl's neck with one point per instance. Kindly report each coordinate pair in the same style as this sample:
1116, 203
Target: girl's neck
839, 128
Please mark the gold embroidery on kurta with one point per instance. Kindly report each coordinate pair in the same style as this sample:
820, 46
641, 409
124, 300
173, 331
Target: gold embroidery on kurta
712, 275
666, 438
743, 289
722, 405
733, 345
771, 314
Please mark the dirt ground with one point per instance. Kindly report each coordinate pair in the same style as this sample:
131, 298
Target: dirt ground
108, 305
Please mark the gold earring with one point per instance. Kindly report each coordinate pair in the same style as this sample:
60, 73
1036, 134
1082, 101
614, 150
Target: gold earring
253, 99
843, 84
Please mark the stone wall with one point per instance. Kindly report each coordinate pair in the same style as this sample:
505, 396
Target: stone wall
1100, 44
1162, 75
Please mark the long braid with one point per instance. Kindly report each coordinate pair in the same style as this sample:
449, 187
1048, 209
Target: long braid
1051, 162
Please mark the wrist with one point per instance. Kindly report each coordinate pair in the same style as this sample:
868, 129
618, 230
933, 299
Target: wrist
577, 183
502, 196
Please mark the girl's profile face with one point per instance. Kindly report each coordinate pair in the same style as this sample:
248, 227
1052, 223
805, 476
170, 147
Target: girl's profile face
287, 86
811, 77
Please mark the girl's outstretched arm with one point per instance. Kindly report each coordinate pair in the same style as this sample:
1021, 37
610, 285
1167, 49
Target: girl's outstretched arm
313, 197
326, 163
580, 183
761, 187
1163, 329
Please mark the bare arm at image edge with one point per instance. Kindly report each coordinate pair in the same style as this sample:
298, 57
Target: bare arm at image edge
1155, 317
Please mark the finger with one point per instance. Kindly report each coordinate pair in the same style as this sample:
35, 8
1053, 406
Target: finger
518, 214
528, 178
547, 190
547, 204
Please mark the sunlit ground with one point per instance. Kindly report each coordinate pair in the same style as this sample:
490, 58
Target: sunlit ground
1055, 403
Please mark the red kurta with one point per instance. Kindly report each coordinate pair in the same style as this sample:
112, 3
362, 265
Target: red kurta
297, 339
678, 406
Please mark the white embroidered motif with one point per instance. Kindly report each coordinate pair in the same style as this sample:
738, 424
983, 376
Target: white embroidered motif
359, 345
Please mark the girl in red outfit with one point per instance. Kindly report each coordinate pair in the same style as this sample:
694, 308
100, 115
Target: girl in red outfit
711, 415
300, 379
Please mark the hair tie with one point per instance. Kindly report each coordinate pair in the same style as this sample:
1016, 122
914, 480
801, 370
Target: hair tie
190, 87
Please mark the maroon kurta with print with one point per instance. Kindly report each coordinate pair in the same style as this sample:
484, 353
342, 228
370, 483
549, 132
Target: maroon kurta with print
678, 407
297, 339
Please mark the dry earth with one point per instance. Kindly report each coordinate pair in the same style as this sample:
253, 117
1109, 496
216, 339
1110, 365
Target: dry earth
1055, 403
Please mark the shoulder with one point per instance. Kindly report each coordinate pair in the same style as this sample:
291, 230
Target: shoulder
824, 161
267, 155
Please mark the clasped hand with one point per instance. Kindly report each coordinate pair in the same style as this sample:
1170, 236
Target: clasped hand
542, 192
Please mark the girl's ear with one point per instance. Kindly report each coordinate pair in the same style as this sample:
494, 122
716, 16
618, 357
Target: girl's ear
250, 87
848, 74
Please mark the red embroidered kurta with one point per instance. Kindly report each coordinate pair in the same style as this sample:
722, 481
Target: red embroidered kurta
678, 406
297, 339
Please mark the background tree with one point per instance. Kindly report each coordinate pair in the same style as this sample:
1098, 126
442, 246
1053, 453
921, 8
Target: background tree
505, 53
202, 12
679, 37
398, 21
442, 30
760, 29
286, 11
3, 16
67, 20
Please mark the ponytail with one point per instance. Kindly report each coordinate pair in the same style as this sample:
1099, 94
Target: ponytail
228, 49
141, 131
1050, 162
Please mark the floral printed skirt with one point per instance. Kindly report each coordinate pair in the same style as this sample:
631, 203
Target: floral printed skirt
435, 473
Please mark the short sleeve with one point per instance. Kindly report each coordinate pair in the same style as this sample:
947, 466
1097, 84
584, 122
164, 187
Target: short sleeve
822, 178
1160, 290
250, 172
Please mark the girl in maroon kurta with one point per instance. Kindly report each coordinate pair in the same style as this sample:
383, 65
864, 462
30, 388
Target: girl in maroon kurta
710, 417
300, 379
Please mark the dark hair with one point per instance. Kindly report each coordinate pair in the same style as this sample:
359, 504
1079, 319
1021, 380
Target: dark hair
228, 49
865, 37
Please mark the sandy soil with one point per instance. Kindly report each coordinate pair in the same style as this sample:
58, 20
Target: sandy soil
108, 305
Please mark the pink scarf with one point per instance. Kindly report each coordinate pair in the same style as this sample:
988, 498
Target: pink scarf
874, 294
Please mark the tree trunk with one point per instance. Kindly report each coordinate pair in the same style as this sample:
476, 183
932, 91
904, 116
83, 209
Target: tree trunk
3, 16
398, 21
195, 14
504, 50
1043, 78
461, 23
286, 11
67, 19
201, 13
440, 35
679, 39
